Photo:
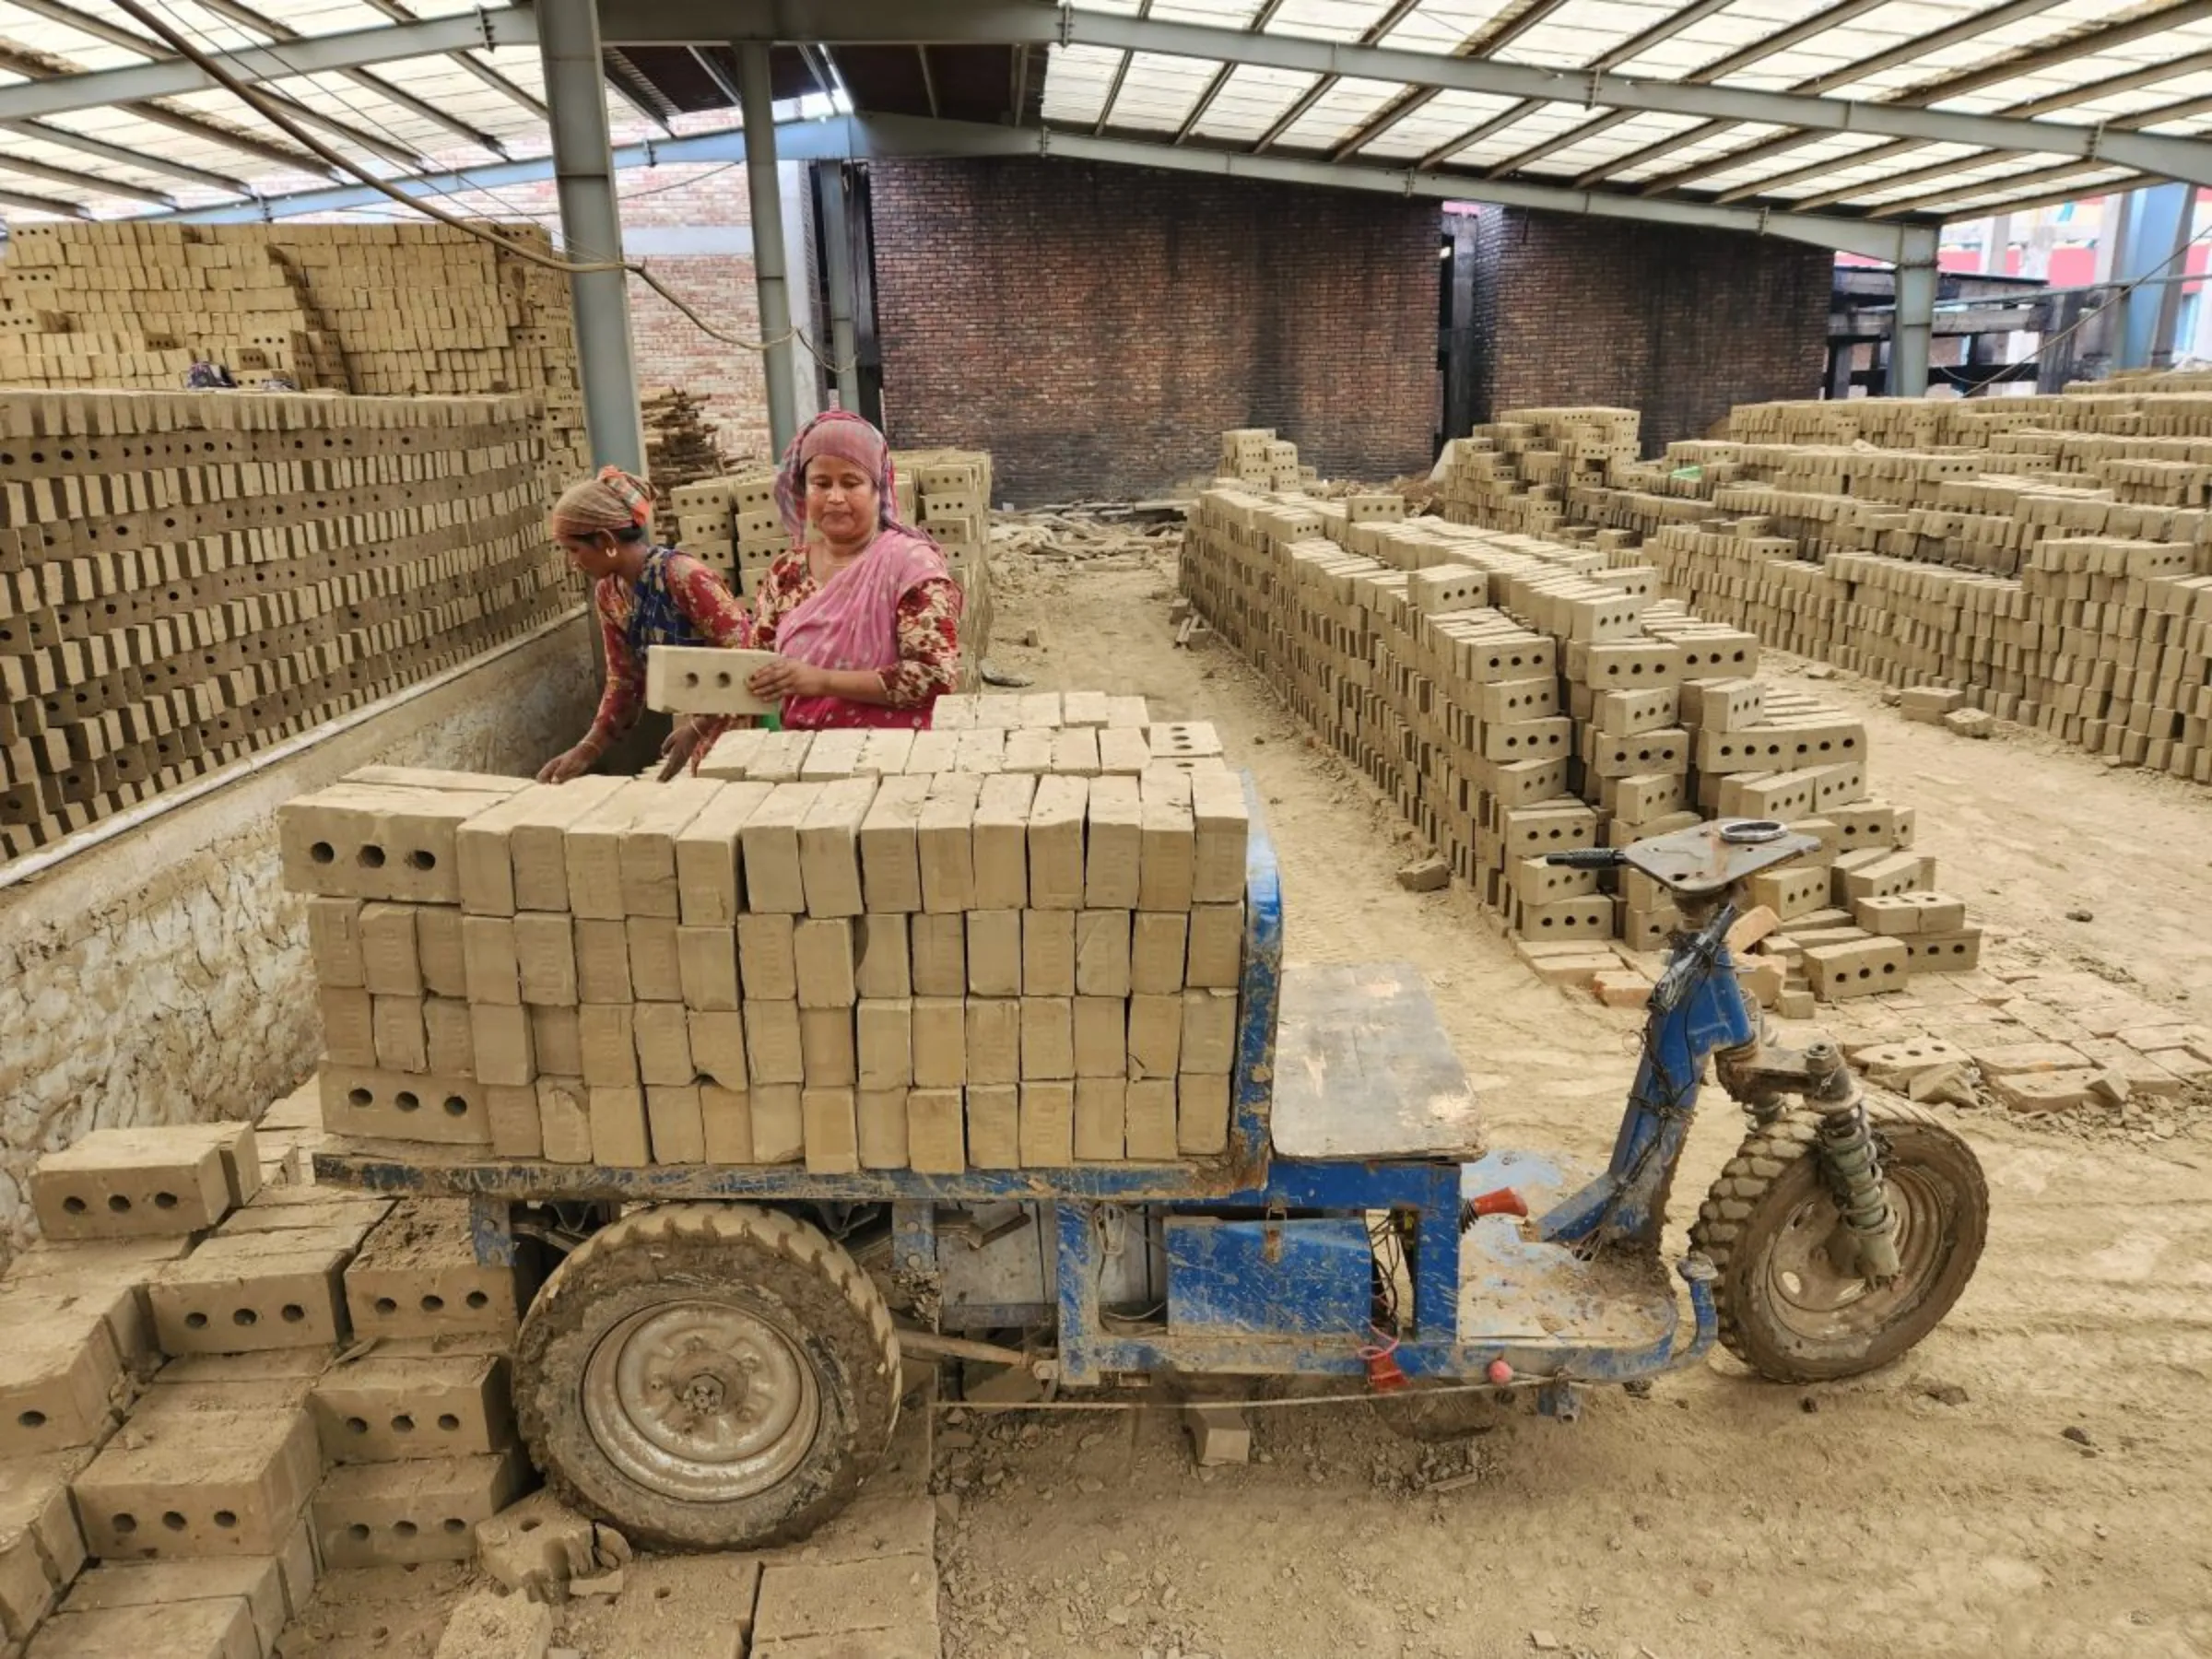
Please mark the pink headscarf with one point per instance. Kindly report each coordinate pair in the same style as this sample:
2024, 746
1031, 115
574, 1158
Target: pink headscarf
845, 436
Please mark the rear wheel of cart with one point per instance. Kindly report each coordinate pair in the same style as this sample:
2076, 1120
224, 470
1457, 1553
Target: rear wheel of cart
708, 1376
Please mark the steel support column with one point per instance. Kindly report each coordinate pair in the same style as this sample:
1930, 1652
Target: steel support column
591, 229
1913, 343
2158, 225
758, 111
837, 268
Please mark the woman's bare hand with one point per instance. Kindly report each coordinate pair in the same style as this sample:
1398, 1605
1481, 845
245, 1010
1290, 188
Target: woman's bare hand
569, 763
786, 678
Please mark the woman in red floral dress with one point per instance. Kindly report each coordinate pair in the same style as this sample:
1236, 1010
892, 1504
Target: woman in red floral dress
643, 596
863, 611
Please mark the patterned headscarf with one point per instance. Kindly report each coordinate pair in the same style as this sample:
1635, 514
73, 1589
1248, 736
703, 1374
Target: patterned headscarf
610, 503
842, 434
208, 377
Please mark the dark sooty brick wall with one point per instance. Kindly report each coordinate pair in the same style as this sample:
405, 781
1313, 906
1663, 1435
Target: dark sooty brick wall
1679, 324
1096, 327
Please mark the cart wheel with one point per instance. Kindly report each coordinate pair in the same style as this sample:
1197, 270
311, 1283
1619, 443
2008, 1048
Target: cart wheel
1769, 1226
707, 1376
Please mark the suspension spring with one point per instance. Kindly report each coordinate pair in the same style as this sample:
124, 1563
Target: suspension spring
1853, 1166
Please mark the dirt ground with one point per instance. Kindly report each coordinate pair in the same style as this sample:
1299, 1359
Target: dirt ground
2031, 1481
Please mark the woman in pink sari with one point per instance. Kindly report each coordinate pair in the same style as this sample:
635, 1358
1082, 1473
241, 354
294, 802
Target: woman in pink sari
862, 610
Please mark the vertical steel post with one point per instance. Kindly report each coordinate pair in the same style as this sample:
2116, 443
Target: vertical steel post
1913, 346
837, 257
591, 228
769, 279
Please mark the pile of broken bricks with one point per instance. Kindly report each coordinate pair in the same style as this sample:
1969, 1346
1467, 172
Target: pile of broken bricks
1945, 706
2038, 1041
863, 1586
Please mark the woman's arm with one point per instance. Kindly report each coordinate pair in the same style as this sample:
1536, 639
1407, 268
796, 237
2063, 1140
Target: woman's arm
618, 703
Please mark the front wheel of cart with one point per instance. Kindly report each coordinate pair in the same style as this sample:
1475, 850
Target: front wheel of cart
708, 1376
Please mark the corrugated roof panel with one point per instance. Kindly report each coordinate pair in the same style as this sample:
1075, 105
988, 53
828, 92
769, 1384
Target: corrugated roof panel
1437, 121
1546, 121
1328, 19
1339, 113
1158, 91
1214, 14
1444, 26
1250, 101
1582, 31
1076, 82
1611, 144
1702, 150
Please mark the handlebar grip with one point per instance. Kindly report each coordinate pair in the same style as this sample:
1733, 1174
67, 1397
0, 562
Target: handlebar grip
1587, 858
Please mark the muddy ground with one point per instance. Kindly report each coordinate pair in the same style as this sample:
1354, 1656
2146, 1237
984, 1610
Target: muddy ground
2032, 1481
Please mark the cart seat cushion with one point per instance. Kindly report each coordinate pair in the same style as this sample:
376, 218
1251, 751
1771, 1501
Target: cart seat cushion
1363, 1069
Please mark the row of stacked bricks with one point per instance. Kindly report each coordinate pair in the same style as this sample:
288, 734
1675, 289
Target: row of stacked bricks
2044, 559
220, 1380
1011, 941
1517, 697
733, 524
188, 577
380, 309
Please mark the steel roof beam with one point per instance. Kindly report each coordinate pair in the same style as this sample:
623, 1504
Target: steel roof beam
245, 17
862, 137
39, 204
1931, 92
1114, 88
2181, 110
70, 179
883, 136
483, 72
117, 156
1017, 22
796, 141
1213, 88
2028, 180
316, 54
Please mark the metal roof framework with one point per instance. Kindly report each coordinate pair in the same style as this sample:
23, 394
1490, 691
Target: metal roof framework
1799, 117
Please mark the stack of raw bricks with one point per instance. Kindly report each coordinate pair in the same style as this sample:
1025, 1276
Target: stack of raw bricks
733, 524
220, 1380
2044, 559
188, 577
382, 310
1518, 696
1011, 941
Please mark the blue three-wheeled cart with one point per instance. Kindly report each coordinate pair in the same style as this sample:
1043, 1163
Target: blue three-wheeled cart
715, 1359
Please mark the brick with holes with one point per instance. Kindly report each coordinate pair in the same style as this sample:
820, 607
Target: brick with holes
416, 1397
417, 1276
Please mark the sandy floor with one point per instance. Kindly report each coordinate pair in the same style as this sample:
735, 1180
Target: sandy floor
2032, 1481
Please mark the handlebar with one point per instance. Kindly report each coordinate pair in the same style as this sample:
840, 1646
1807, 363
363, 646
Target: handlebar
1588, 858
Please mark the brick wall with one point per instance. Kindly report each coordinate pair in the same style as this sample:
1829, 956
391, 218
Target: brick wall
1096, 327
1679, 324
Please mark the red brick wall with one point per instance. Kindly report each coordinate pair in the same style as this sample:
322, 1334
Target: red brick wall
1096, 327
1679, 324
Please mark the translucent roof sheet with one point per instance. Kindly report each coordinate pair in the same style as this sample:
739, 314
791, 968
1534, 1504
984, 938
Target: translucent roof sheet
393, 117
2140, 66
1904, 52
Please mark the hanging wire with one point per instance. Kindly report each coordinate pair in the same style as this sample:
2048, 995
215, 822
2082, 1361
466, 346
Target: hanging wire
2087, 317
246, 92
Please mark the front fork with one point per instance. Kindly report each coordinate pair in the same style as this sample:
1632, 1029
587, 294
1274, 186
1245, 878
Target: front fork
1697, 1011
1761, 1078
